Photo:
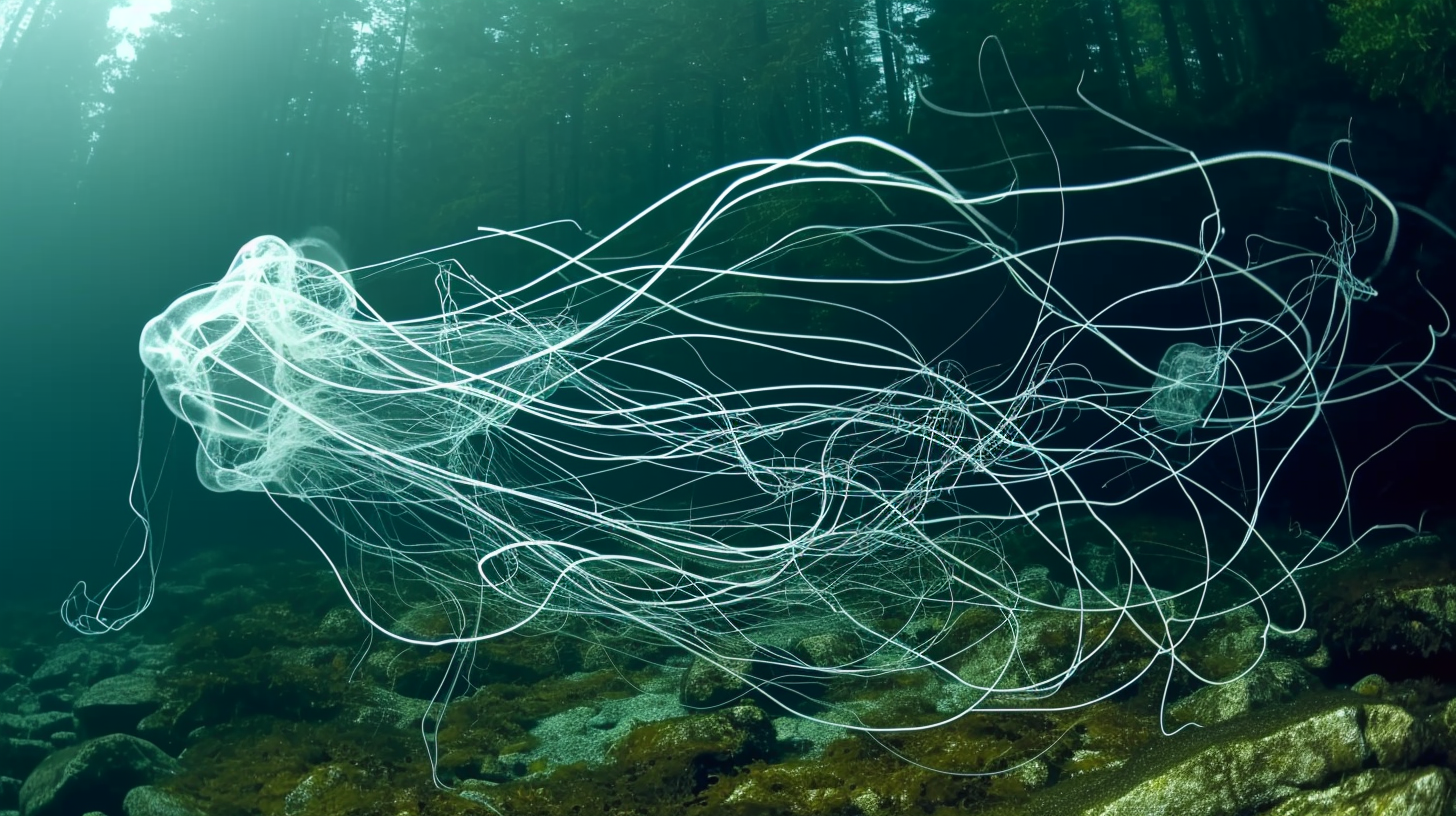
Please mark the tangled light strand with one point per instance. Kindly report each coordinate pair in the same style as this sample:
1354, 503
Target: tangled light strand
740, 439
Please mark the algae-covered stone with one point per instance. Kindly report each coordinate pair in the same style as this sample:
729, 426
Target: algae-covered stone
9, 793
805, 738
1244, 774
18, 757
149, 801
827, 649
341, 623
1371, 685
94, 775
1399, 599
1448, 720
1394, 736
34, 726
1377, 792
18, 698
117, 704
78, 661
1246, 765
583, 734
1272, 681
378, 706
710, 684
1039, 648
731, 736
326, 789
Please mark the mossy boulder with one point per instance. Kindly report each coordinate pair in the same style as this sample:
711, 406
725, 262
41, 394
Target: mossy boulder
151, 801
1271, 681
93, 776
116, 704
711, 684
1378, 792
1246, 765
1395, 603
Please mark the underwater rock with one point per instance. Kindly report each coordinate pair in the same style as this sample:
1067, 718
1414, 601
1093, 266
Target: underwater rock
1377, 792
152, 656
80, 662
232, 601
149, 801
1371, 685
674, 759
827, 649
34, 726
94, 775
332, 781
1034, 774
341, 623
803, 738
584, 734
1245, 765
524, 659
1021, 655
228, 576
310, 684
9, 793
708, 685
58, 699
117, 704
731, 736
1036, 583
1448, 721
161, 727
19, 699
1272, 681
1397, 602
384, 707
342, 789
1395, 737
18, 757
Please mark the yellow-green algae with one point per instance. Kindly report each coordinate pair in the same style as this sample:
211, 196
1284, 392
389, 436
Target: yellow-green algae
279, 696
1241, 766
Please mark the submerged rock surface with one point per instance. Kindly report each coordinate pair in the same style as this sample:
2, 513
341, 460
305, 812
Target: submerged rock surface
275, 705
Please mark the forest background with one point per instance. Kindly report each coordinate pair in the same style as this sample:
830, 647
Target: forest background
137, 151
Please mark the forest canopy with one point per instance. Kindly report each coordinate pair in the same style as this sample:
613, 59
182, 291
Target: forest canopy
401, 121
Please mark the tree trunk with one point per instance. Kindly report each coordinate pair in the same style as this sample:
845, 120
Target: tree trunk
1106, 47
773, 111
521, 189
18, 24
1209, 62
29, 14
661, 158
806, 106
1226, 24
760, 23
848, 52
1177, 65
1261, 38
387, 204
574, 151
719, 137
553, 128
1125, 52
890, 62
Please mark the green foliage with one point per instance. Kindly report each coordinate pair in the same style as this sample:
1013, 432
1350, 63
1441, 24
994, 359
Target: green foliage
594, 108
1399, 49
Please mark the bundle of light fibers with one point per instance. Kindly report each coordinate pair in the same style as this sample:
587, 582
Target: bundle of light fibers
841, 396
